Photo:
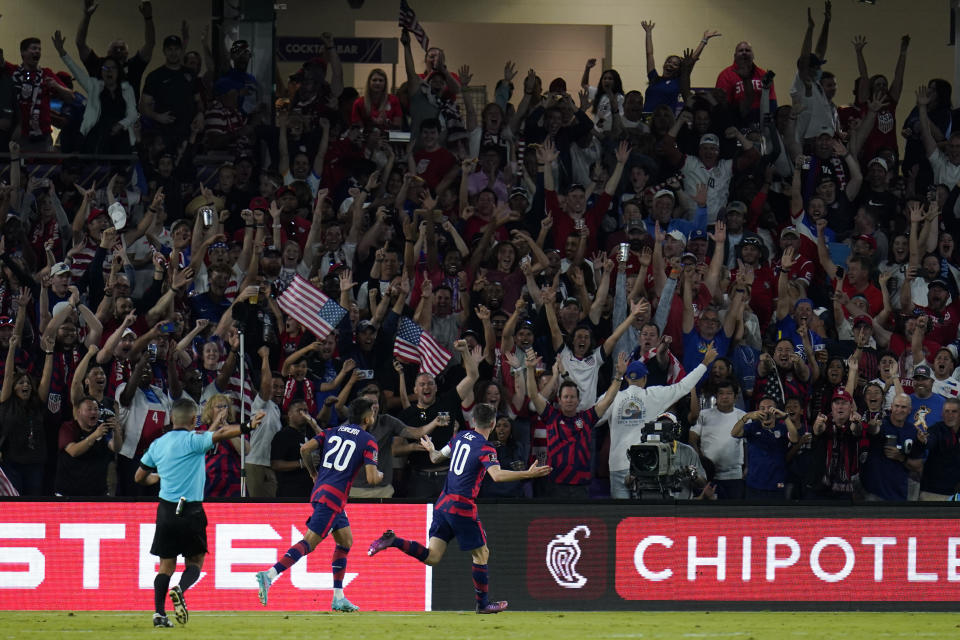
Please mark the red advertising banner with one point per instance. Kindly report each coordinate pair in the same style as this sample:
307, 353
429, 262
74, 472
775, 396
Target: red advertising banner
788, 559
96, 556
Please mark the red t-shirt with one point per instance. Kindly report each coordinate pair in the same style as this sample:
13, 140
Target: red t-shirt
432, 166
873, 295
732, 84
382, 118
883, 135
564, 227
33, 97
763, 294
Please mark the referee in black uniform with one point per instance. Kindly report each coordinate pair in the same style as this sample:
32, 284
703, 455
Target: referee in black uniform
177, 461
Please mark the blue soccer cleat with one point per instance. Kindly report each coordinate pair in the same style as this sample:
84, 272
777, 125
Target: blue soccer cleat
383, 542
493, 607
343, 605
263, 584
179, 605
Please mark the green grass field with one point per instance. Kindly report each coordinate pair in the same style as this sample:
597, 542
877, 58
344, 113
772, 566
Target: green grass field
508, 625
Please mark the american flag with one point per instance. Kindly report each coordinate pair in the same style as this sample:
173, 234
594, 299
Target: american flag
413, 344
408, 20
310, 307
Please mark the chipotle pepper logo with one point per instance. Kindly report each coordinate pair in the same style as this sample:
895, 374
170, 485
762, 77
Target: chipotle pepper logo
566, 558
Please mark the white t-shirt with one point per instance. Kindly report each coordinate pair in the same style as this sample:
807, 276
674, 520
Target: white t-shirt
817, 115
262, 437
944, 171
585, 373
723, 449
717, 180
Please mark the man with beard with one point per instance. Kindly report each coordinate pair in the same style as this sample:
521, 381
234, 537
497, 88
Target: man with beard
134, 67
927, 406
580, 359
663, 368
783, 375
87, 447
742, 82
836, 449
944, 312
709, 331
425, 479
944, 364
144, 411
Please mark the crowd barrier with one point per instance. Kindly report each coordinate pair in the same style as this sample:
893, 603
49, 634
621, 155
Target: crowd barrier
544, 556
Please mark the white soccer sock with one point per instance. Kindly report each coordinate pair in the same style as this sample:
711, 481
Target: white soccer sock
337, 593
272, 573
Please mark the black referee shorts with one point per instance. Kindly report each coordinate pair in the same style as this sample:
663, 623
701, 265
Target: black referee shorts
184, 534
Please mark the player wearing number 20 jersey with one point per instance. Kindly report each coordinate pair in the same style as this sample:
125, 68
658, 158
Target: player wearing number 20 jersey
343, 450
455, 513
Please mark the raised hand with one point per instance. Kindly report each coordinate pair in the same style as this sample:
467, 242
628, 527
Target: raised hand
623, 152
465, 75
647, 25
509, 71
923, 96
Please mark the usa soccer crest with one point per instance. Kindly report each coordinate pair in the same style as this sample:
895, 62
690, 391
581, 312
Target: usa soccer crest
578, 423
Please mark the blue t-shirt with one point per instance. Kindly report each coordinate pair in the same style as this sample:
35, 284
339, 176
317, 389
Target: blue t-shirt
179, 458
661, 91
882, 476
787, 329
767, 455
926, 411
694, 346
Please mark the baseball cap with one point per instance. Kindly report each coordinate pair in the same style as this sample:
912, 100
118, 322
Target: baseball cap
870, 240
6, 321
636, 370
864, 319
58, 268
922, 371
128, 332
569, 301
172, 41
939, 282
709, 138
576, 186
789, 230
466, 332
752, 240
271, 249
636, 228
219, 244
96, 213
842, 394
879, 161
284, 190
688, 256
677, 235
697, 234
664, 192
366, 325
259, 202
519, 192
737, 206
525, 324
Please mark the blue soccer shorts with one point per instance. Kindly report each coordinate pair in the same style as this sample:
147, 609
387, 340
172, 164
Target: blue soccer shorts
468, 532
324, 520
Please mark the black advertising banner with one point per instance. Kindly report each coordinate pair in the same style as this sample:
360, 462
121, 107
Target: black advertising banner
610, 556
369, 50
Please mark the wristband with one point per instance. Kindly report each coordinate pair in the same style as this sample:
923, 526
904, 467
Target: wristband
245, 429
49, 353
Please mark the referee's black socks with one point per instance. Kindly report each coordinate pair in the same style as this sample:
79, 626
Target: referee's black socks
191, 573
160, 585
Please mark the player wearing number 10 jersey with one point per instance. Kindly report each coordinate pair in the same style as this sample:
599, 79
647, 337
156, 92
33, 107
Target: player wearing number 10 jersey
344, 449
455, 513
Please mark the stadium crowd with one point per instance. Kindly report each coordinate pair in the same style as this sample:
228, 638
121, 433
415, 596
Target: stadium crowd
772, 276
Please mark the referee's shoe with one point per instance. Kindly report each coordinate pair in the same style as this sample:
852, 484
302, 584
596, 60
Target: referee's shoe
161, 621
179, 605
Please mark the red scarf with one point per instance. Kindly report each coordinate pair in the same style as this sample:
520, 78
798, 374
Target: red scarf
290, 392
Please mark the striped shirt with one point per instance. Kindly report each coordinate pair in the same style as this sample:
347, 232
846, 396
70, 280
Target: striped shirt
569, 444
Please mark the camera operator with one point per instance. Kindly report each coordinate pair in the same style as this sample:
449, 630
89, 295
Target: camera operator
685, 476
634, 406
87, 446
